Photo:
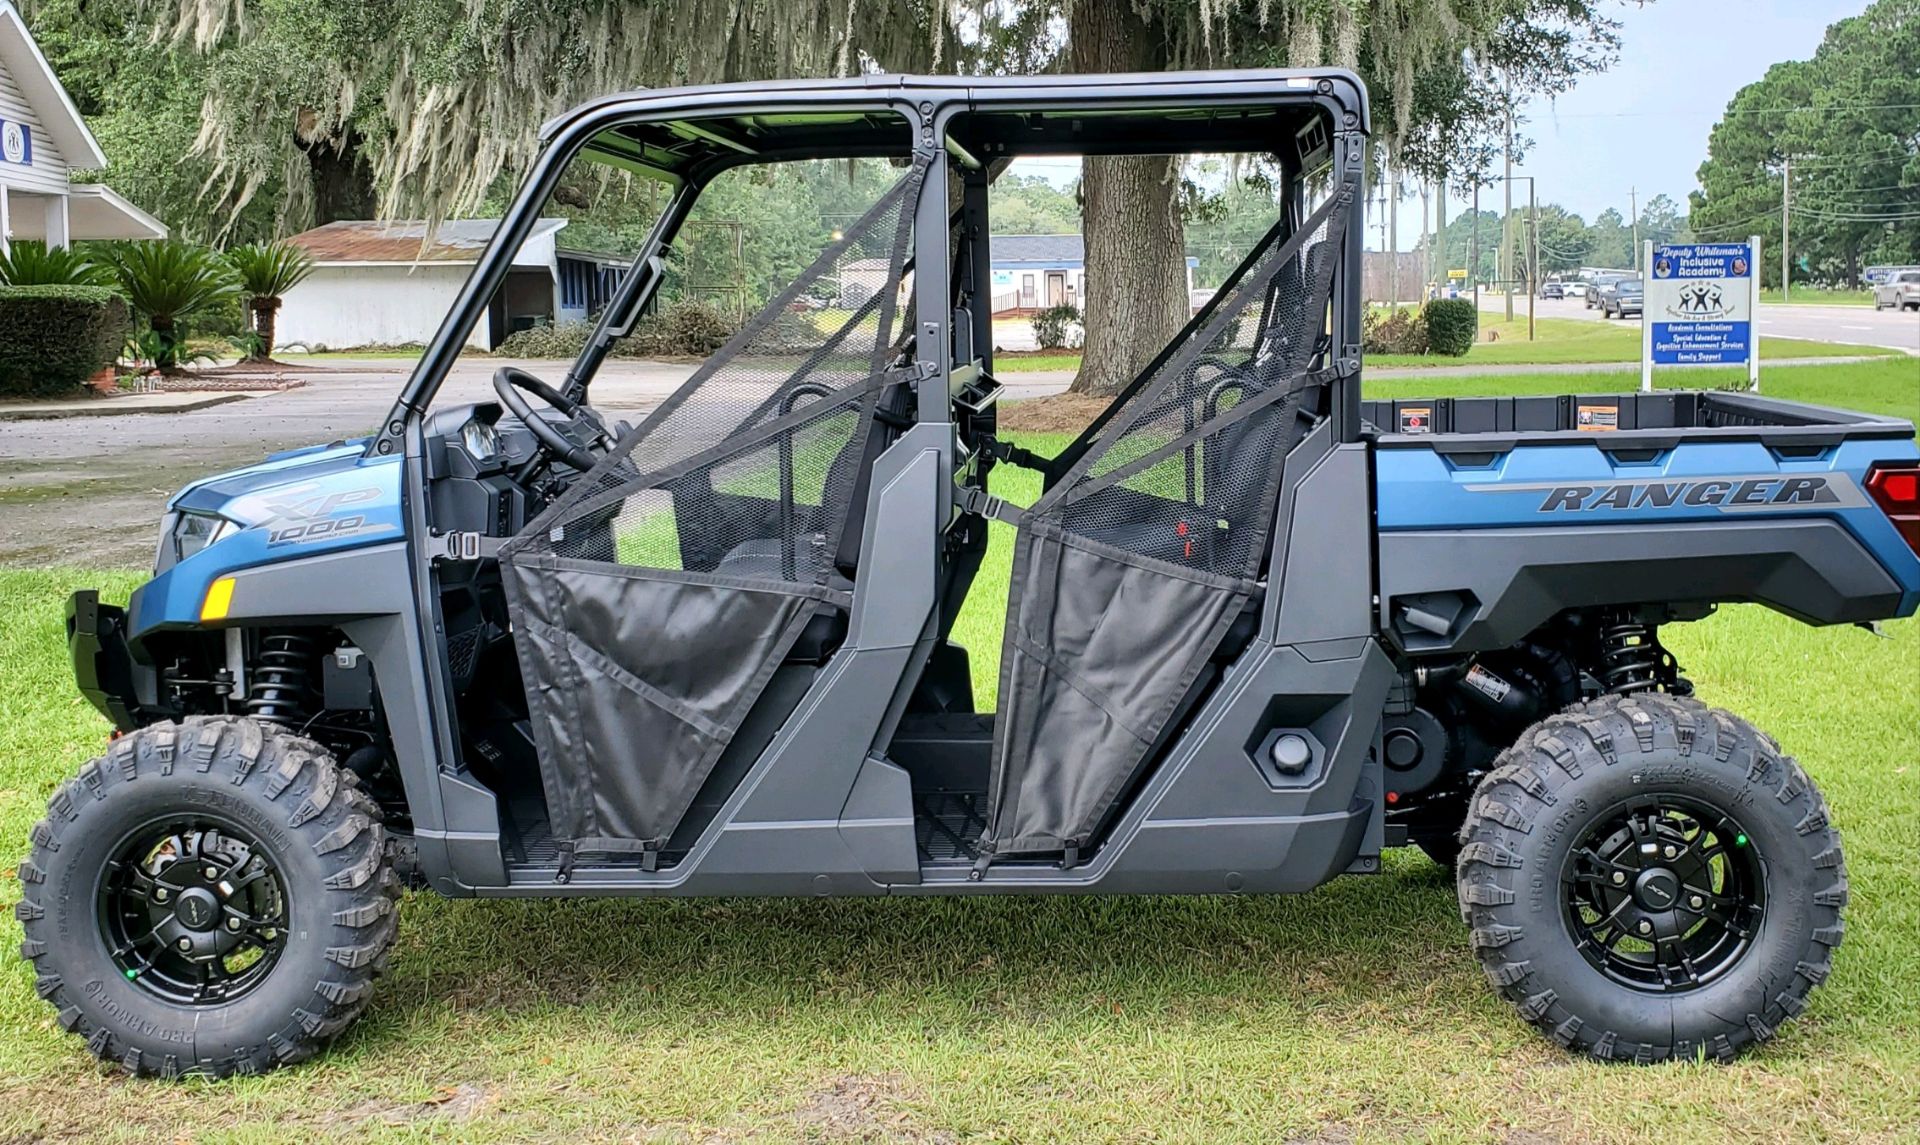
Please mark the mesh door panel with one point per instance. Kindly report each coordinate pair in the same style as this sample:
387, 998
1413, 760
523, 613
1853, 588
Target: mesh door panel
653, 600
1131, 569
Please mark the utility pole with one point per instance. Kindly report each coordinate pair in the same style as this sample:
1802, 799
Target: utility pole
1533, 252
1440, 236
1426, 239
1505, 263
1633, 204
1473, 247
1786, 209
1393, 231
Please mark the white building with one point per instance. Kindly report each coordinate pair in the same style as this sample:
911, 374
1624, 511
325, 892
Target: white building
43, 141
379, 284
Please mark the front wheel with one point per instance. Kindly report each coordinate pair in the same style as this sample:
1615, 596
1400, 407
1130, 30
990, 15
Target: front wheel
1648, 878
208, 898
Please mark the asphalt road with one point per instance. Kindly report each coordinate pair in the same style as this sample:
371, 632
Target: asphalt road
1853, 325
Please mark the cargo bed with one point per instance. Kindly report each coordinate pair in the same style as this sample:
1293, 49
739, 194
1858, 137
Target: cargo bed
1626, 421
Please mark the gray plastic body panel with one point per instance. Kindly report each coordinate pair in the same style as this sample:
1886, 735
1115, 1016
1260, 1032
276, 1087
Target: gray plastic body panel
1517, 579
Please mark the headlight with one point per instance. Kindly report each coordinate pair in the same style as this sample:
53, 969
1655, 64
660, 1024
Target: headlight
479, 439
195, 531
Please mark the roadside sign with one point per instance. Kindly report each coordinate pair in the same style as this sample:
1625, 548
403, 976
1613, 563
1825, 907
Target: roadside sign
1699, 307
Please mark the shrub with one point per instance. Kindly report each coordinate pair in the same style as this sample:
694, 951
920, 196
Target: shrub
33, 263
695, 329
558, 340
1397, 331
168, 281
1452, 324
1058, 327
266, 272
53, 338
682, 330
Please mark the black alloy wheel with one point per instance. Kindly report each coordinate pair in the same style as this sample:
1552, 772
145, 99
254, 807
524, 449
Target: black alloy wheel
193, 911
1664, 895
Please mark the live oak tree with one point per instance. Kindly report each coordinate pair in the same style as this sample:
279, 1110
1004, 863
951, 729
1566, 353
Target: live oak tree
344, 108
1846, 123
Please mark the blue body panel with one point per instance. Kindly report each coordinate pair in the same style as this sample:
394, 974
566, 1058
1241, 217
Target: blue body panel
1578, 483
296, 504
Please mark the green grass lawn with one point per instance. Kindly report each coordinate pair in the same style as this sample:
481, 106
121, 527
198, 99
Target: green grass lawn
1811, 296
1562, 341
1352, 1013
1885, 386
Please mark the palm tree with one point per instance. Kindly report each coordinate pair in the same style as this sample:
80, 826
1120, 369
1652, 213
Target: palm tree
166, 281
267, 271
31, 263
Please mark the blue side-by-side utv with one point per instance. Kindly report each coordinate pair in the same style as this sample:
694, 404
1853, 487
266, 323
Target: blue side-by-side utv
1259, 629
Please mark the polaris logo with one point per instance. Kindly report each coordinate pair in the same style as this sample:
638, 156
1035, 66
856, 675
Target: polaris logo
1735, 493
1752, 491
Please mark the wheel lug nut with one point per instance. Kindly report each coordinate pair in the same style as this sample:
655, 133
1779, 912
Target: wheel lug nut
185, 944
1646, 927
1696, 902
1619, 877
159, 894
1671, 852
233, 924
214, 872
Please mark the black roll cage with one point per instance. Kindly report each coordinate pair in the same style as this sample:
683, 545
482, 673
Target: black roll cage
929, 105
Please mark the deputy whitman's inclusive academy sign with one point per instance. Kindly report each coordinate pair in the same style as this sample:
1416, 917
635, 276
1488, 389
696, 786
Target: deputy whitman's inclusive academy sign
1699, 308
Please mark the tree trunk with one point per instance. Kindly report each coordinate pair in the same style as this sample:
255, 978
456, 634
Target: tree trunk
342, 182
166, 359
1136, 285
265, 311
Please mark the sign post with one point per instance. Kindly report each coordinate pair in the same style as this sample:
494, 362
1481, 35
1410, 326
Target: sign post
1699, 308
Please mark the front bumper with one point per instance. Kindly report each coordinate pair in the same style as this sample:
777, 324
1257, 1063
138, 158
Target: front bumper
102, 663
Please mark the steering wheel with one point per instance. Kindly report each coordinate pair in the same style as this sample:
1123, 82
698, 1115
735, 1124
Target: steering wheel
508, 381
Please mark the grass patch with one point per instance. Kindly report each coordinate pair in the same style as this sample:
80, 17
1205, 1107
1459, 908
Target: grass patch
1809, 296
1890, 386
1033, 363
1355, 1011
1574, 341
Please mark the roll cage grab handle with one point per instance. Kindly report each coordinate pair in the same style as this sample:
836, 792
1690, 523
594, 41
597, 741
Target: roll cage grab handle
927, 104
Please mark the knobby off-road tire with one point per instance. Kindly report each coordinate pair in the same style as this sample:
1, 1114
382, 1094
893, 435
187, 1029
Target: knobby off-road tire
1609, 761
260, 828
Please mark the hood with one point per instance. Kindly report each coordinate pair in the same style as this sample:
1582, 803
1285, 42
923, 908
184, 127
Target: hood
296, 503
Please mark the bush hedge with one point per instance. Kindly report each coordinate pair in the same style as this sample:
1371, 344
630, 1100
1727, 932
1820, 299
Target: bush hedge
1058, 327
681, 330
53, 338
1397, 331
1452, 325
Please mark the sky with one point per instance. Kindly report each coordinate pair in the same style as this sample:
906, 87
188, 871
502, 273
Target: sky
1644, 124
1641, 126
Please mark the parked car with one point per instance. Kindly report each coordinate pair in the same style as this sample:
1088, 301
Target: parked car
1553, 289
1622, 298
1595, 286
1901, 292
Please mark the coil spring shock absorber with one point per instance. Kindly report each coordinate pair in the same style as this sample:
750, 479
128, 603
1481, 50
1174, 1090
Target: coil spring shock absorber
1632, 658
282, 686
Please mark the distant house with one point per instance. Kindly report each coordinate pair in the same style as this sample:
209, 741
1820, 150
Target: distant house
1030, 273
1033, 272
43, 141
379, 284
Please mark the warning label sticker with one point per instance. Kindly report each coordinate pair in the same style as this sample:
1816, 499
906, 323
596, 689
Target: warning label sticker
1598, 419
1416, 419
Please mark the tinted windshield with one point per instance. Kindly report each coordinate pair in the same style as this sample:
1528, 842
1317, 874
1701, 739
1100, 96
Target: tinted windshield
1630, 286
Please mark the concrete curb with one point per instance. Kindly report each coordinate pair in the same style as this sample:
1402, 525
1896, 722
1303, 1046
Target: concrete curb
118, 407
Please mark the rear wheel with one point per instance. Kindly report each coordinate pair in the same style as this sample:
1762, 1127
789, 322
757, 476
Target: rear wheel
212, 897
1648, 878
